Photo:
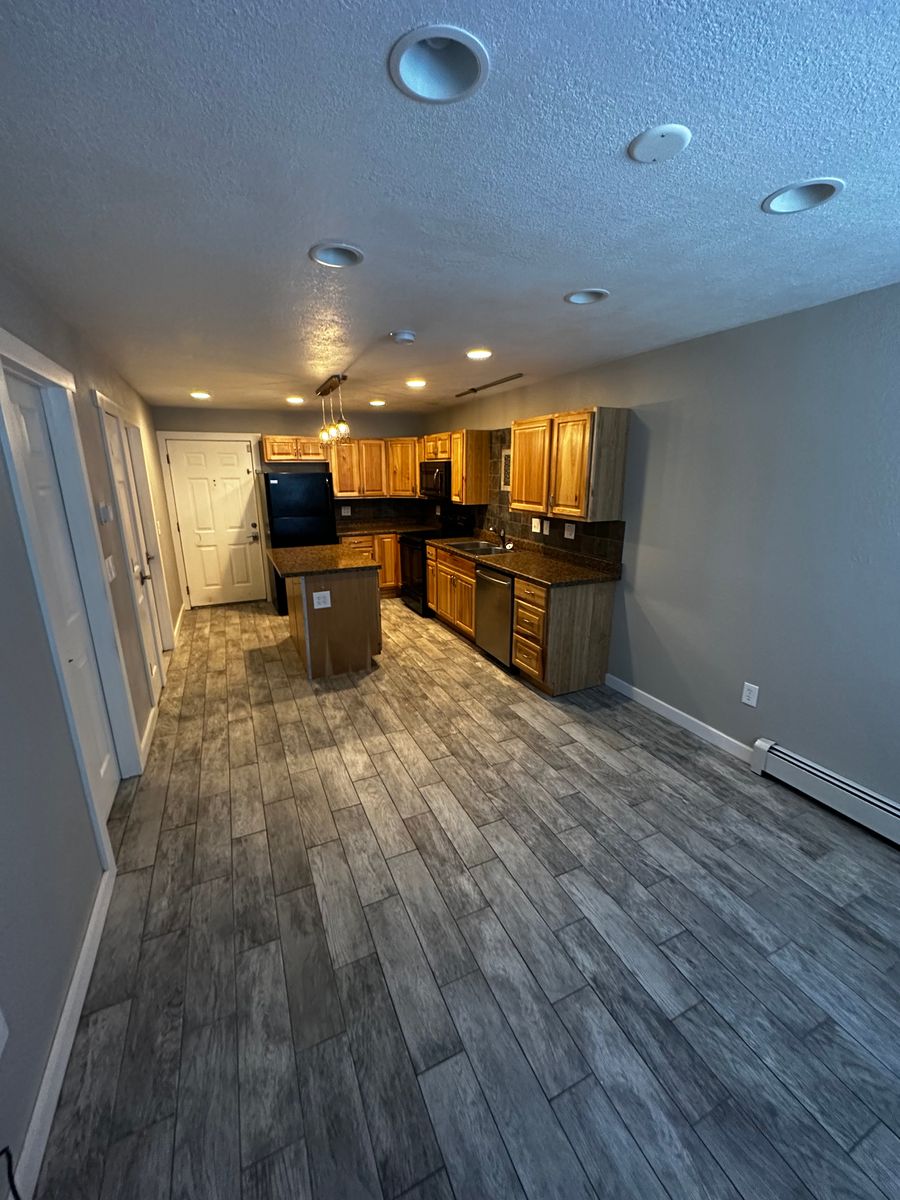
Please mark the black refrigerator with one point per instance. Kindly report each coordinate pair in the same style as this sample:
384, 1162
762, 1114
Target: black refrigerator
299, 511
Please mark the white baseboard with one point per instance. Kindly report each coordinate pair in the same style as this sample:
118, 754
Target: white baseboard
177, 627
29, 1165
148, 735
714, 736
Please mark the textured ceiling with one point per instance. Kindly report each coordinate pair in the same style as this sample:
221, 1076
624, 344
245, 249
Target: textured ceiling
164, 168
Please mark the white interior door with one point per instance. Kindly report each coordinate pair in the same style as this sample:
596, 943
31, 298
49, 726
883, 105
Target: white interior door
55, 562
150, 530
135, 550
215, 500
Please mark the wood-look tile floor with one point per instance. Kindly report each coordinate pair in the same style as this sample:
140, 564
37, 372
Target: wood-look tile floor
425, 933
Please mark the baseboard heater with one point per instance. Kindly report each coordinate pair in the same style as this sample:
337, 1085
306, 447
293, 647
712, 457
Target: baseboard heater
858, 803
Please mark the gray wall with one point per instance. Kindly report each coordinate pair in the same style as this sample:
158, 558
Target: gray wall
49, 868
763, 526
302, 421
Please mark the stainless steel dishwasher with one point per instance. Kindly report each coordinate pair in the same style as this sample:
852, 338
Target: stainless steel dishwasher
493, 613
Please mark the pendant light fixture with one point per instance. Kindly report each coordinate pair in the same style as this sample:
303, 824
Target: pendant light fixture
334, 434
324, 436
343, 424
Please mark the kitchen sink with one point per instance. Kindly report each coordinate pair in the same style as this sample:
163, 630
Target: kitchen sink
479, 548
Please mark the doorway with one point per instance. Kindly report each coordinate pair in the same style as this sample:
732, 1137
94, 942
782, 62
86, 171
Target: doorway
213, 501
65, 572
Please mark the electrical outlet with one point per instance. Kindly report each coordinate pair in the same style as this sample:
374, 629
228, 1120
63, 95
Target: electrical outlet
4, 1033
345, 510
546, 526
535, 524
321, 599
569, 530
750, 694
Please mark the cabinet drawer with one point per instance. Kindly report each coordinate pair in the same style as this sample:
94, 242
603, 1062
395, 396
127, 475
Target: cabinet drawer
529, 621
461, 566
533, 593
431, 551
359, 541
527, 657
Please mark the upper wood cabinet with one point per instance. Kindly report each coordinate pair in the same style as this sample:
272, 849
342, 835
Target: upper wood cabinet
437, 446
372, 474
345, 468
570, 465
470, 466
403, 466
293, 449
530, 467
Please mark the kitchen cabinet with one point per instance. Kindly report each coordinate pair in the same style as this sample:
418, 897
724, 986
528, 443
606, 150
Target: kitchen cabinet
431, 582
372, 474
470, 466
570, 465
455, 591
293, 449
561, 634
345, 468
360, 541
530, 467
403, 466
437, 446
387, 555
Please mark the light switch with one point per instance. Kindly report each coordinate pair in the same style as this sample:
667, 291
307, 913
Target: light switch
569, 530
546, 526
535, 524
345, 510
110, 565
321, 599
104, 513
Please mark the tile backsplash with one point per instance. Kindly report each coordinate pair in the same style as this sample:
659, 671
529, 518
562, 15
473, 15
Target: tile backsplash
602, 539
384, 510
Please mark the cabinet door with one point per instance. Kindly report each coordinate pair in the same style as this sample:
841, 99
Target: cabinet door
387, 557
402, 466
458, 466
371, 467
431, 582
445, 579
279, 449
465, 604
530, 465
431, 448
442, 445
345, 468
570, 464
311, 450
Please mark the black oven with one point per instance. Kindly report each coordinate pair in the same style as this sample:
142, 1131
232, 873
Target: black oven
434, 480
457, 523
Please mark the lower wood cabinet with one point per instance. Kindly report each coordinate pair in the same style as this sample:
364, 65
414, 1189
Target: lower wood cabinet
431, 577
561, 634
455, 591
384, 548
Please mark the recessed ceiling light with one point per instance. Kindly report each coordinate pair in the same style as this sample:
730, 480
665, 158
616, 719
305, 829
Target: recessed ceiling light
479, 354
335, 254
660, 143
403, 337
377, 403
416, 383
200, 396
438, 64
798, 197
586, 296
294, 399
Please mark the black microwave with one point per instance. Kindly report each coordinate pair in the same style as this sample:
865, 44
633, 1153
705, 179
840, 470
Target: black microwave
434, 480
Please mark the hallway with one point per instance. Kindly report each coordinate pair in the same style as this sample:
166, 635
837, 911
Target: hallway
429, 934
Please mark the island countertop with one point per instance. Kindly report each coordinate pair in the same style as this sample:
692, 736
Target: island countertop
290, 561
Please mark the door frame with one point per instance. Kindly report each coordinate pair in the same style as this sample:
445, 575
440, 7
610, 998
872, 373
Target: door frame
57, 392
151, 533
107, 407
175, 435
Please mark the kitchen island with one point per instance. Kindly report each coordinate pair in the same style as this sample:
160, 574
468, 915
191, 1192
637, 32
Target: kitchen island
334, 607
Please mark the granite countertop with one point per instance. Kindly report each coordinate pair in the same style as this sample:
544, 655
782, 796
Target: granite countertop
546, 569
320, 560
358, 528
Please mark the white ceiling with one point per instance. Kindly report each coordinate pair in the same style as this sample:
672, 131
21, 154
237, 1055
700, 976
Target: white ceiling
164, 168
